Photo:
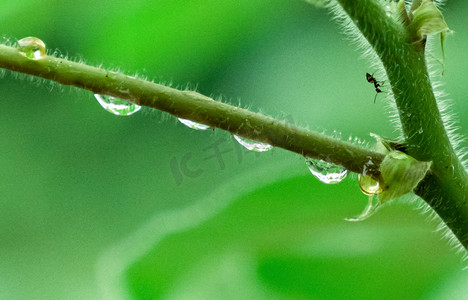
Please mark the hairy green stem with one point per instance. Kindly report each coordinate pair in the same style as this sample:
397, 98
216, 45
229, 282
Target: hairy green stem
426, 139
194, 106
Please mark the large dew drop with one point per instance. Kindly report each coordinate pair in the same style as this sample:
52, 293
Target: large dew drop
193, 125
326, 172
32, 48
117, 106
253, 145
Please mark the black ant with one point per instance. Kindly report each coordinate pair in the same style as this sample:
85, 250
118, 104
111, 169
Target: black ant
377, 84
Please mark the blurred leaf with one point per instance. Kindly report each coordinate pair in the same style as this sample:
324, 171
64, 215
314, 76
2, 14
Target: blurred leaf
318, 3
189, 34
288, 239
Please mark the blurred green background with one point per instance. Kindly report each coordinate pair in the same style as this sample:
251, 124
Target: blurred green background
96, 206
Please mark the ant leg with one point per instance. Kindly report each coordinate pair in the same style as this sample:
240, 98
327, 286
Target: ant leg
379, 84
375, 98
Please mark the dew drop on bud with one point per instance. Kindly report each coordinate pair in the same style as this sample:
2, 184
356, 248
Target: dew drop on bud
368, 185
253, 145
193, 125
326, 172
32, 48
117, 106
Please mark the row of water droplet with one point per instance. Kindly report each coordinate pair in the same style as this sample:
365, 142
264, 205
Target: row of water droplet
34, 49
324, 171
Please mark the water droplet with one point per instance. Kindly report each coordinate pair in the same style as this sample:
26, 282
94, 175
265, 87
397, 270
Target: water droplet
117, 106
193, 125
253, 145
368, 211
326, 172
32, 48
369, 186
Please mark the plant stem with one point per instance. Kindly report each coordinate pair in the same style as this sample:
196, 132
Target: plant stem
196, 107
426, 138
